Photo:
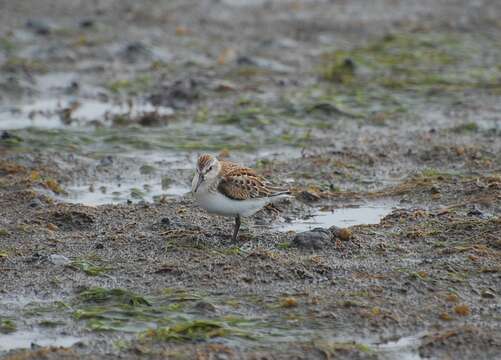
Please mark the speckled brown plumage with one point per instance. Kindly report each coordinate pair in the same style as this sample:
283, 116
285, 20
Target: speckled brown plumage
241, 183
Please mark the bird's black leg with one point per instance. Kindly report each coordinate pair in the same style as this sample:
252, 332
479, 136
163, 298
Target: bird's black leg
237, 227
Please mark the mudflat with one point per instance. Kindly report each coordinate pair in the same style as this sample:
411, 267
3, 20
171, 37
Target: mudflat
382, 117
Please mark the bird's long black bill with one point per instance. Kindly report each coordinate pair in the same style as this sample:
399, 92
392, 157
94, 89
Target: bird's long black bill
200, 180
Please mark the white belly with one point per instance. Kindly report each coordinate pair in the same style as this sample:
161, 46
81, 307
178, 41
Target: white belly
216, 203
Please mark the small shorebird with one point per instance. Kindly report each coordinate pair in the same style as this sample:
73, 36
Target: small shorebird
228, 189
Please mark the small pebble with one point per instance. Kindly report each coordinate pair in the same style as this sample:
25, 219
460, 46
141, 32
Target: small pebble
57, 259
87, 23
475, 212
106, 161
205, 306
487, 294
435, 190
35, 203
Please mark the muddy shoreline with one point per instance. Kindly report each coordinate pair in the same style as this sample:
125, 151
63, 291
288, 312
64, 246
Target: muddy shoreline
383, 118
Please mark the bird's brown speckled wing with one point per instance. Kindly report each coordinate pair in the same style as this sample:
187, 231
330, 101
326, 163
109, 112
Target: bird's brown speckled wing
241, 183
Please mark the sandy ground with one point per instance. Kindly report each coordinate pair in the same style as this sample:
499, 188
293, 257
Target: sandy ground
381, 112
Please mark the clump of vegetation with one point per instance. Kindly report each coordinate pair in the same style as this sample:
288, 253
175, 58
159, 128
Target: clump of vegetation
181, 295
115, 309
136, 193
50, 323
465, 128
119, 296
6, 45
17, 64
288, 302
7, 326
146, 119
432, 173
338, 348
131, 86
248, 116
404, 61
88, 267
147, 169
339, 70
195, 330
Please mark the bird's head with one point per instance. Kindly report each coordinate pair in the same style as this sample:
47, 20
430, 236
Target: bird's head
208, 168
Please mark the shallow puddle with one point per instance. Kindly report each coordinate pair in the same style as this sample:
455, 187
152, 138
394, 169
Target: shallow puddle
365, 214
119, 193
131, 177
26, 339
54, 113
404, 348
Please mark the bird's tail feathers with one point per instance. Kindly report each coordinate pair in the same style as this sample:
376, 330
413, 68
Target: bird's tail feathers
280, 195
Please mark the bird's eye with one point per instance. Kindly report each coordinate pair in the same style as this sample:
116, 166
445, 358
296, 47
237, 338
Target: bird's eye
210, 168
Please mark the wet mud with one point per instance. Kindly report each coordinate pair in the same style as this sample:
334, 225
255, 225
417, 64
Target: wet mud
382, 117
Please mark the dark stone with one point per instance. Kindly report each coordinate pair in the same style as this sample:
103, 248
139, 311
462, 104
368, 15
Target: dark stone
35, 257
87, 23
475, 212
165, 221
205, 307
39, 26
177, 95
488, 294
435, 189
35, 203
106, 161
245, 61
152, 118
136, 51
72, 220
349, 64
314, 239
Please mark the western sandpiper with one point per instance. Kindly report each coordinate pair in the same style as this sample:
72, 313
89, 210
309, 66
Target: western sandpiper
228, 189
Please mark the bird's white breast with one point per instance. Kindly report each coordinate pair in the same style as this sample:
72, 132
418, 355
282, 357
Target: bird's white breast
216, 203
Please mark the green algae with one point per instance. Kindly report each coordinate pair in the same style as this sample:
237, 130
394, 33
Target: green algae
137, 85
51, 323
196, 330
338, 348
402, 57
120, 296
6, 45
176, 314
469, 127
423, 62
89, 267
7, 326
18, 64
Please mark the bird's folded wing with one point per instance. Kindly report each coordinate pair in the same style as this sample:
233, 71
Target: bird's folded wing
243, 184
